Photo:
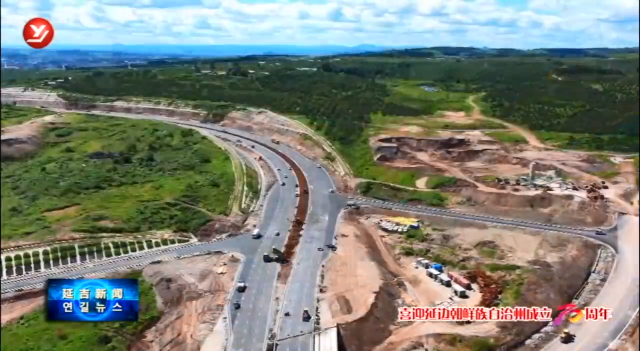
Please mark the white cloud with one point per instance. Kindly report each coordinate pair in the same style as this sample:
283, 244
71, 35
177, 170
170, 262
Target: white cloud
541, 23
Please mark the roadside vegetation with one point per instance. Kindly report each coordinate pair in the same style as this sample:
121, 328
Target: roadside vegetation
507, 137
62, 255
101, 174
391, 193
12, 115
33, 332
359, 156
252, 183
439, 181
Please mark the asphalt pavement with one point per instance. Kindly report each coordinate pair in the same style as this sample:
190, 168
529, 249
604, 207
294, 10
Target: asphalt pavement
589, 233
620, 292
240, 244
251, 321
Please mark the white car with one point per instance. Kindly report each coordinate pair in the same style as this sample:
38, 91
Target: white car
331, 191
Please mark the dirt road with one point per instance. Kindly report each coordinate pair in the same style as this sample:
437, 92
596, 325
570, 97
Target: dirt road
531, 138
192, 293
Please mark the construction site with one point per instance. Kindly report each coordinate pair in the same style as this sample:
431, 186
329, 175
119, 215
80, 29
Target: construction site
376, 271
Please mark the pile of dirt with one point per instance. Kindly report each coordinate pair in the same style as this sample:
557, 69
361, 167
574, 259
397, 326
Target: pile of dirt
192, 294
58, 103
374, 327
425, 144
542, 207
20, 304
552, 284
220, 225
343, 300
22, 140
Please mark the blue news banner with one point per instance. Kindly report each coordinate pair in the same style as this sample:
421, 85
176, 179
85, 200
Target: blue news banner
92, 300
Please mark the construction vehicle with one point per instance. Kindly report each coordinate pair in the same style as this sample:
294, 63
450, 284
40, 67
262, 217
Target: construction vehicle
353, 204
460, 280
306, 316
275, 141
278, 253
566, 337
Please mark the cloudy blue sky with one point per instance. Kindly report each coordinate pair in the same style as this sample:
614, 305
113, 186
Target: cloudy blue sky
491, 23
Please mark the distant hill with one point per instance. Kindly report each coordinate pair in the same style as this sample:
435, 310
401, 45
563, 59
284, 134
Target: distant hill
471, 52
219, 50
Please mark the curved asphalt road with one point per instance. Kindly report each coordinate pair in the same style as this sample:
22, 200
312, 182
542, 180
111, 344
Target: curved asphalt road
620, 292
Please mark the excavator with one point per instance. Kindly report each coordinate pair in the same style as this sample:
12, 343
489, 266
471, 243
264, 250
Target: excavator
306, 316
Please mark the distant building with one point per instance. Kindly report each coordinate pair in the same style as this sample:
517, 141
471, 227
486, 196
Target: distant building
429, 89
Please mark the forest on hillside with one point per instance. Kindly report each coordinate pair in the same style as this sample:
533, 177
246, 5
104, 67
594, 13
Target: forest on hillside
587, 96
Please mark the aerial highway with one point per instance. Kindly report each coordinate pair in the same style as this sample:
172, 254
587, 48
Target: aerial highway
240, 244
589, 233
250, 323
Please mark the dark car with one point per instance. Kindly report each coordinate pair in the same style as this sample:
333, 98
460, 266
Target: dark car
236, 305
600, 232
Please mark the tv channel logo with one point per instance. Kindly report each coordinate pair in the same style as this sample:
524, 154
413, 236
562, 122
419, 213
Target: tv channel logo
569, 312
38, 33
93, 300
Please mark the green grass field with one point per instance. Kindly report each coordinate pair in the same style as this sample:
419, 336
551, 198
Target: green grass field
12, 115
507, 137
144, 165
410, 93
359, 156
33, 332
382, 191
